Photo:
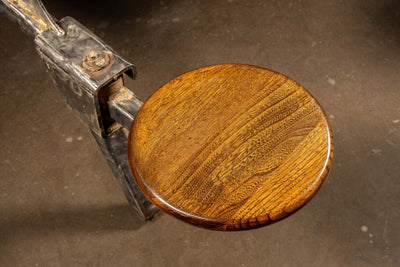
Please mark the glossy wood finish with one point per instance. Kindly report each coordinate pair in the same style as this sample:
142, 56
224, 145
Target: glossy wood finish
230, 147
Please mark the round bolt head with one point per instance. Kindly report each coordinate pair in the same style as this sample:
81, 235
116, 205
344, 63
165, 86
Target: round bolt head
96, 60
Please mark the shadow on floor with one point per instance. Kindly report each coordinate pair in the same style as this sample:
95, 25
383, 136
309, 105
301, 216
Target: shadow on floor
69, 221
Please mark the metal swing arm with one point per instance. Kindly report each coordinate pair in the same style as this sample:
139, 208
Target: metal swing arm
89, 75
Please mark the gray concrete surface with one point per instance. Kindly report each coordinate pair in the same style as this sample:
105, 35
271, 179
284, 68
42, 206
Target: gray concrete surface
60, 205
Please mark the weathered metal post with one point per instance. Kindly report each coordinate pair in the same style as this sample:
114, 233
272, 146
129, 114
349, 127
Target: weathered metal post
89, 75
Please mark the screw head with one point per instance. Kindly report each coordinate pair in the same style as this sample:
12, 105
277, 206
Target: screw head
96, 60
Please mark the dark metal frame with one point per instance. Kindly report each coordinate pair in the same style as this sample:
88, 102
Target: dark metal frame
89, 75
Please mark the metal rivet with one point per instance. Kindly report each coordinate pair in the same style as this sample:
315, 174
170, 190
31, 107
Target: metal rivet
96, 60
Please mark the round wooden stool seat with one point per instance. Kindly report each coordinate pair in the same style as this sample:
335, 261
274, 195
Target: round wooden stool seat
230, 147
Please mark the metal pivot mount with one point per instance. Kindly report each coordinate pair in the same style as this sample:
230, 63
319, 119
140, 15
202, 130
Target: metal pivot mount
90, 78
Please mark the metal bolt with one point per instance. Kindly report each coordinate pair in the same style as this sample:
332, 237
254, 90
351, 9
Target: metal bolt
96, 60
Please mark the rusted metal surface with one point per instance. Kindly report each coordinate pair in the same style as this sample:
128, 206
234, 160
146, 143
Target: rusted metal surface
31, 15
64, 57
86, 72
96, 61
124, 106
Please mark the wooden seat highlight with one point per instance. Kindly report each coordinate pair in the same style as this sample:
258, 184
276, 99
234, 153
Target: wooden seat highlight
230, 147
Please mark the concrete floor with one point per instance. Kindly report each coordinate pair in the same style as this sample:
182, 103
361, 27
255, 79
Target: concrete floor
61, 206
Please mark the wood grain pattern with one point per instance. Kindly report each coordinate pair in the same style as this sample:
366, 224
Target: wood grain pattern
230, 147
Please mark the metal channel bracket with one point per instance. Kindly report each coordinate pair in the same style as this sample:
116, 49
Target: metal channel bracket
86, 72
90, 78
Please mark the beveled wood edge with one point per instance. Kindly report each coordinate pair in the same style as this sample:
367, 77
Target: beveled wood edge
213, 224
